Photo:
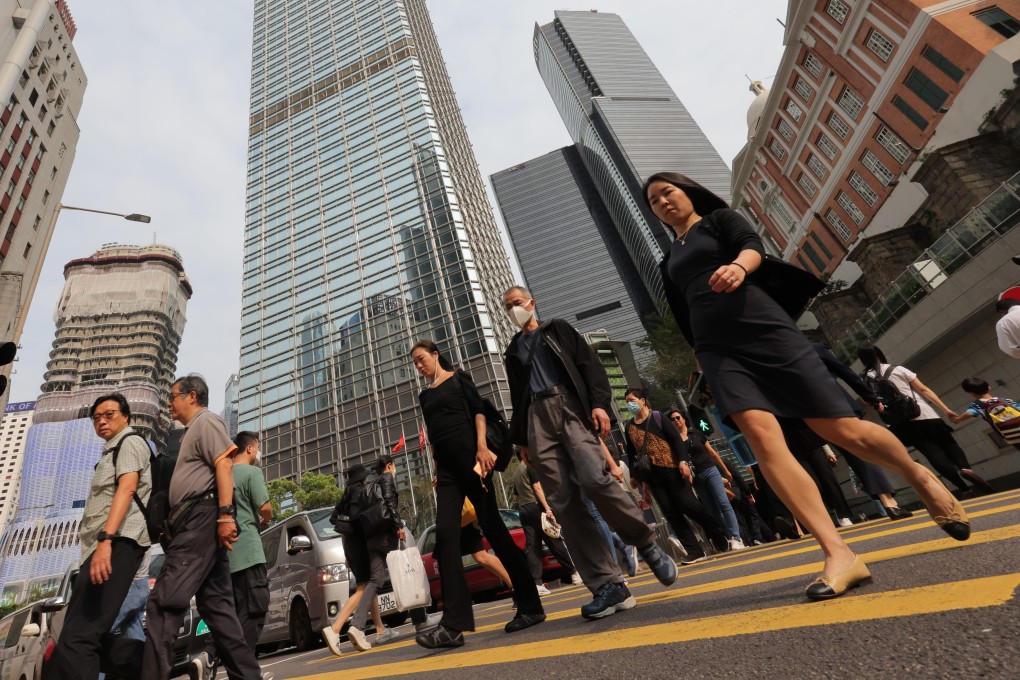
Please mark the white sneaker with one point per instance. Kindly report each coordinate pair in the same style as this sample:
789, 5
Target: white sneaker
845, 522
332, 640
385, 636
736, 544
575, 578
358, 639
542, 590
429, 623
675, 542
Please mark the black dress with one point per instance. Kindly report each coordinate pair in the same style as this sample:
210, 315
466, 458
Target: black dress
751, 352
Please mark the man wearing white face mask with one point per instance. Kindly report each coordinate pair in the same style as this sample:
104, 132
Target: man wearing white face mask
561, 399
247, 560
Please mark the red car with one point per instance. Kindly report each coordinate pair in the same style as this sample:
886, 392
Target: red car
482, 584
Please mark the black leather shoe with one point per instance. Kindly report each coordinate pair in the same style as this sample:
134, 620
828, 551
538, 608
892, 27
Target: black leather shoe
1016, 259
440, 637
522, 621
897, 513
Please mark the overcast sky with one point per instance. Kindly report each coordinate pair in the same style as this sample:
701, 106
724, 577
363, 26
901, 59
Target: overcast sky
164, 128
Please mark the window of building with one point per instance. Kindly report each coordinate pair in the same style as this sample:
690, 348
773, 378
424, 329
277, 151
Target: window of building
821, 246
23, 80
925, 88
813, 256
880, 45
861, 187
794, 110
813, 64
803, 89
780, 211
827, 147
878, 169
777, 148
10, 189
42, 112
34, 97
807, 185
28, 249
838, 125
21, 204
892, 143
851, 208
943, 64
999, 21
910, 112
46, 197
21, 162
839, 225
36, 223
11, 103
785, 130
50, 128
763, 186
816, 167
838, 10
53, 174
11, 143
850, 102
32, 135
22, 119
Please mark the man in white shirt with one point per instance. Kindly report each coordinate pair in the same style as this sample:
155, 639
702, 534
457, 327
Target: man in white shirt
1007, 329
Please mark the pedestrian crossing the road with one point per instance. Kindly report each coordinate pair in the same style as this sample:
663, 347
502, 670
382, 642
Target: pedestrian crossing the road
921, 576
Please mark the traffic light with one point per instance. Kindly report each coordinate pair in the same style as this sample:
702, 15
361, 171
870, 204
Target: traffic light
699, 420
7, 352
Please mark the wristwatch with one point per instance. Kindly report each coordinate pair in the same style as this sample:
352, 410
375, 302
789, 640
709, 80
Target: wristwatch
104, 536
228, 510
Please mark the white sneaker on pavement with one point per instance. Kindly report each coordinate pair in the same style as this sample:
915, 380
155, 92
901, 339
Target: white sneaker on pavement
736, 544
575, 578
845, 522
385, 636
429, 623
358, 639
332, 640
542, 590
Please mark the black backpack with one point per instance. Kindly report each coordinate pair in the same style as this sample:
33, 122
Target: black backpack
497, 430
162, 469
345, 514
899, 408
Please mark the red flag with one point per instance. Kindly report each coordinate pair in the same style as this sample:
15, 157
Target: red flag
400, 444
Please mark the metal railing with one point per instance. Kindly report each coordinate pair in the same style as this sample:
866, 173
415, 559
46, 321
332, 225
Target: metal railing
980, 228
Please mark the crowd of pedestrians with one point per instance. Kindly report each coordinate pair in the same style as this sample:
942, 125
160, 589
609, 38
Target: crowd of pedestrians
764, 379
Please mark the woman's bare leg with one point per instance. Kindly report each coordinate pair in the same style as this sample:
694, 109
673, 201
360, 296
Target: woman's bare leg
348, 609
878, 445
492, 563
887, 500
793, 485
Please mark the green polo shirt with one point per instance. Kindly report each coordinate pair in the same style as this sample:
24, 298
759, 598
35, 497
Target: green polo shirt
524, 480
250, 494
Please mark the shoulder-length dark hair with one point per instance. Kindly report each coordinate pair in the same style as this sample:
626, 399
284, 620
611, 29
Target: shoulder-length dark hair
431, 347
872, 357
704, 201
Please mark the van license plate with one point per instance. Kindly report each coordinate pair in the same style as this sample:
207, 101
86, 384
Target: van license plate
387, 603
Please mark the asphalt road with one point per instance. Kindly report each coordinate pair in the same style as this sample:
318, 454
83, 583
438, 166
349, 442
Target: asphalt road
937, 608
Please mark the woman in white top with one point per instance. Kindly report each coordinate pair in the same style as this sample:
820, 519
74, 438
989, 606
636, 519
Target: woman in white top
927, 433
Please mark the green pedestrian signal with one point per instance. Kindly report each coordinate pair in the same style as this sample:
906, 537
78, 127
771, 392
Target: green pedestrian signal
699, 419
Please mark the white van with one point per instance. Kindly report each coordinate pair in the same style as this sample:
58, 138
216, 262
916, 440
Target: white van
21, 635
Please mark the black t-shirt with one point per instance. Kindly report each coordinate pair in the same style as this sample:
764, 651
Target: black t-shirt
450, 407
699, 455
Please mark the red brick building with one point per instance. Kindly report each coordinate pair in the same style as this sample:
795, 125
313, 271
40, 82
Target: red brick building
860, 90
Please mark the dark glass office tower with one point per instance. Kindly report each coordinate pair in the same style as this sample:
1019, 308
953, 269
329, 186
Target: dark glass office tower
570, 252
367, 228
626, 122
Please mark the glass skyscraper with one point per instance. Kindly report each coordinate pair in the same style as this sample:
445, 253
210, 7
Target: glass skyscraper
367, 228
626, 122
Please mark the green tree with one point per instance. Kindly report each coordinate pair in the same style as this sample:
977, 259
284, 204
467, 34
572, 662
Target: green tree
8, 607
317, 491
671, 368
281, 495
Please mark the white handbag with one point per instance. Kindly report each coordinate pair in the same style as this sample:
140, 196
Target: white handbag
407, 574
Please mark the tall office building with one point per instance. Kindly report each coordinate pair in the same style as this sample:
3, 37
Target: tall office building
41, 85
14, 424
566, 243
119, 321
231, 395
627, 123
367, 228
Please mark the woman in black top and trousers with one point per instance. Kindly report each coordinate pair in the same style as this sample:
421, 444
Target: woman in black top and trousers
671, 476
454, 416
761, 367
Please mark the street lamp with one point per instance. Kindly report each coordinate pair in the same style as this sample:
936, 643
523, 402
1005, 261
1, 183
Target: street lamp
34, 279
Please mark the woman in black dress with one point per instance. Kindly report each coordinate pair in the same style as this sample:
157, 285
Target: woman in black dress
761, 368
454, 416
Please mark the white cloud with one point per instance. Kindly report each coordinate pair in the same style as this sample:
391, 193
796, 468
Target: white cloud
164, 128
